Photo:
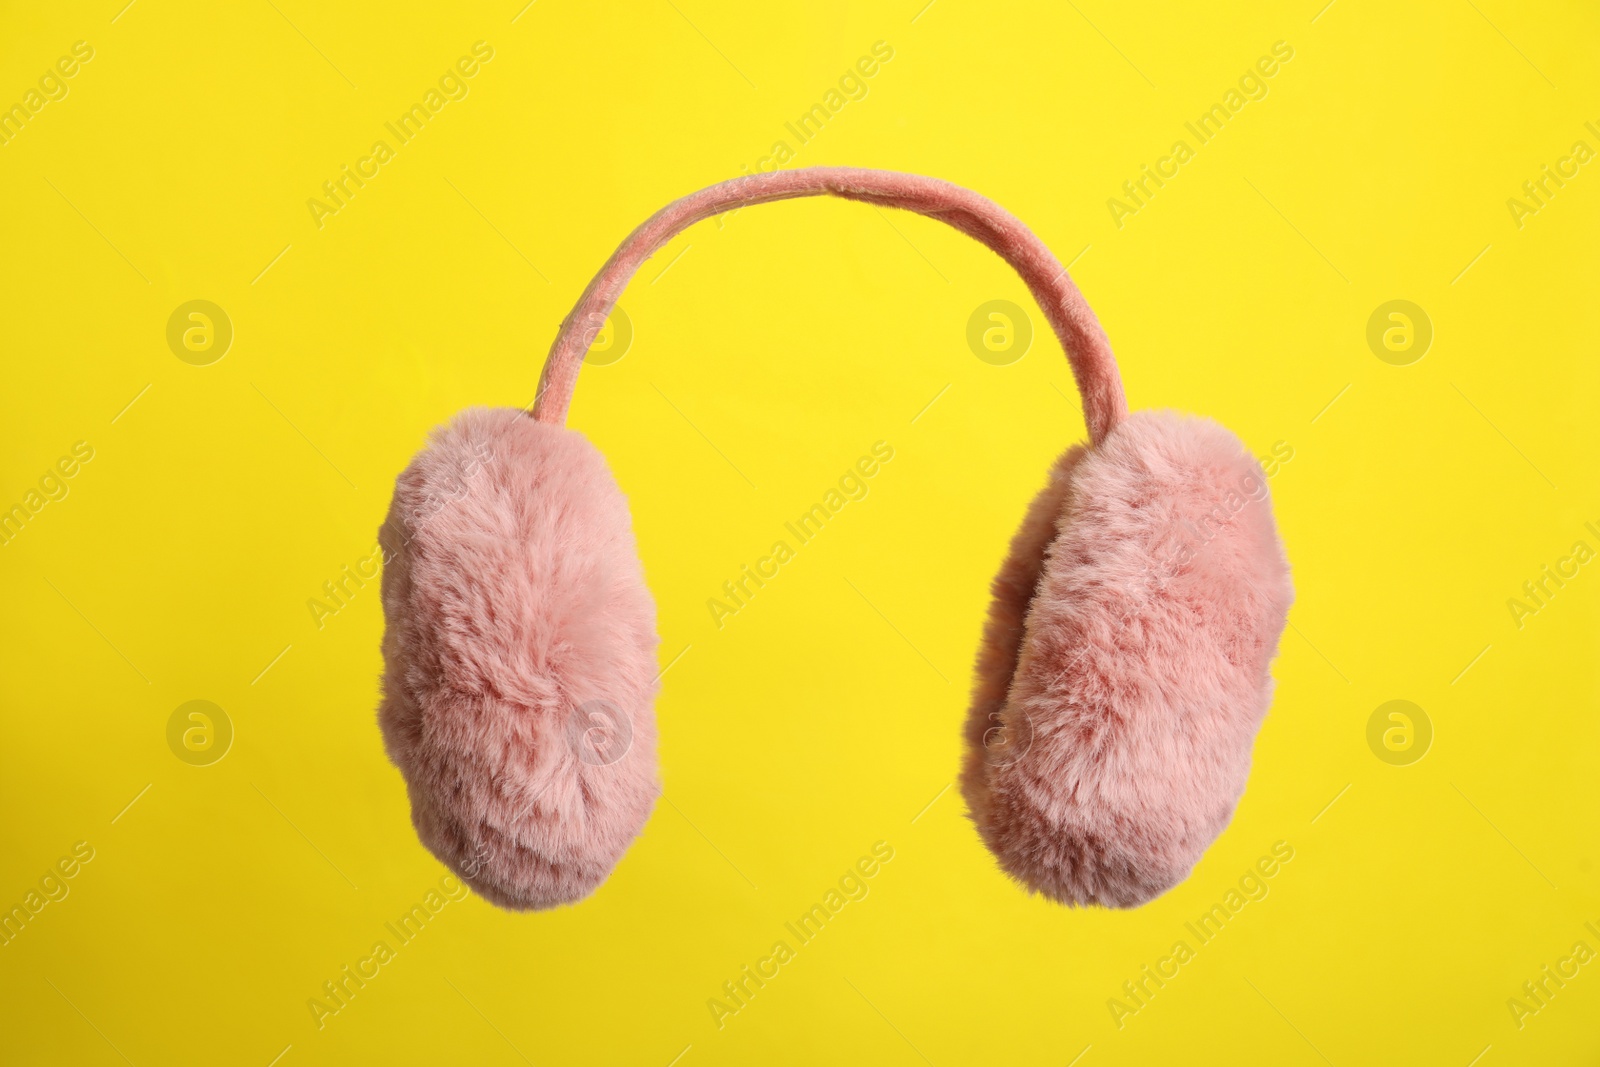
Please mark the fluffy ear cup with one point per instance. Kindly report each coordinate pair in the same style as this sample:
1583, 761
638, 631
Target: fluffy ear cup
519, 658
1124, 671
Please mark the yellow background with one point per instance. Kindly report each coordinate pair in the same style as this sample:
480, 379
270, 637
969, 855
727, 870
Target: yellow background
822, 718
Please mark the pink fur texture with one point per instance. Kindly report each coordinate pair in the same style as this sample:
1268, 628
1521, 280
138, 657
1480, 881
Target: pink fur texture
1125, 667
519, 658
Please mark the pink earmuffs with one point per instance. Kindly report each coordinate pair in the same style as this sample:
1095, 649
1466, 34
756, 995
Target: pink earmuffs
1123, 675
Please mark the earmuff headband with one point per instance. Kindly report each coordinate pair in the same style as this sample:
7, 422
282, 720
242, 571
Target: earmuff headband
1087, 349
1125, 665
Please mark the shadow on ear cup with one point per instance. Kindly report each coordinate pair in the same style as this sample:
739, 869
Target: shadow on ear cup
519, 658
987, 736
1125, 668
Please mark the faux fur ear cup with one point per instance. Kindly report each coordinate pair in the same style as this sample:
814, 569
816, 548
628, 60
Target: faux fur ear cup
519, 658
1125, 668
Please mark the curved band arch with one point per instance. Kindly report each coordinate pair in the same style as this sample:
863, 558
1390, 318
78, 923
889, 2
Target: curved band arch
1093, 366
